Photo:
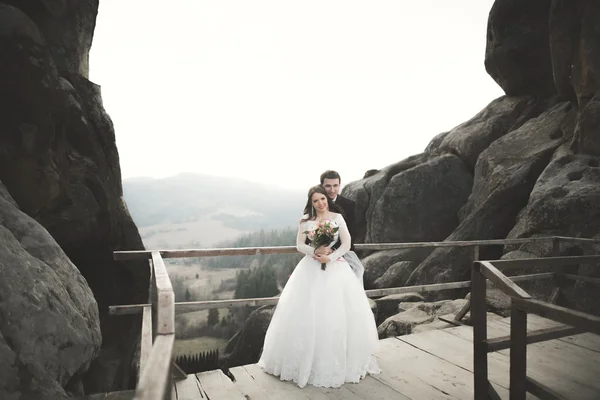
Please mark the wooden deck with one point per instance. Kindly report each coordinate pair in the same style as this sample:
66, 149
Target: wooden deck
430, 365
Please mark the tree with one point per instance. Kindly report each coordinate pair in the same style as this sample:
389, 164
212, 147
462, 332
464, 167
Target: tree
213, 317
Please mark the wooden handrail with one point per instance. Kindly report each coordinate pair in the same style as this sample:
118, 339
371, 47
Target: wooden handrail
155, 359
166, 298
579, 322
216, 252
154, 382
146, 340
521, 304
503, 282
554, 262
567, 316
256, 302
580, 278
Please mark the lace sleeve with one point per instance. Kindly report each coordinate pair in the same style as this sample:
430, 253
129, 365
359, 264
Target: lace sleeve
301, 245
345, 239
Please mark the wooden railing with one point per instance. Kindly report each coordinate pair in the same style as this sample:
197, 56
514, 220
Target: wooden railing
158, 327
158, 335
522, 303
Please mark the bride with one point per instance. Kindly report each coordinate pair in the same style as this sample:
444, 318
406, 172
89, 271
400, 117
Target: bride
323, 330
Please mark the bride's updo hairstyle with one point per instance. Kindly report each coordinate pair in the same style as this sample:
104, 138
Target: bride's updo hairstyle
309, 210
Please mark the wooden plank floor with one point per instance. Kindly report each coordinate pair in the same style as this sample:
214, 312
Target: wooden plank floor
432, 365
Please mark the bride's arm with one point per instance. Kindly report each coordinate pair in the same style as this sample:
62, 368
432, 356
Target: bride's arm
344, 239
301, 245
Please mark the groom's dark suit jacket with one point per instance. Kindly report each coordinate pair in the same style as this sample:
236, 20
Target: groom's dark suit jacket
348, 211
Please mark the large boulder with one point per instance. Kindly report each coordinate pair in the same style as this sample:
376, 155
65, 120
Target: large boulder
246, 346
391, 268
409, 209
366, 192
501, 116
517, 53
49, 325
420, 314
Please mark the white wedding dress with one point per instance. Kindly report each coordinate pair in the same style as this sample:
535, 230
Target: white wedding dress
323, 330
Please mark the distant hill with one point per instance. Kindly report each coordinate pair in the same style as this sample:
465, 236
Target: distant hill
196, 210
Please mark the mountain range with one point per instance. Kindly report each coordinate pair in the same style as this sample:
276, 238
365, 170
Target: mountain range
198, 210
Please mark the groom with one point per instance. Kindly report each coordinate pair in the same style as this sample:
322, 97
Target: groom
331, 181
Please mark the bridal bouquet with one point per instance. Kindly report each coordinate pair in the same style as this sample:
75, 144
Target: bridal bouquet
322, 235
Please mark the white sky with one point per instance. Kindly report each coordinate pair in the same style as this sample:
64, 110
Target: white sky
277, 91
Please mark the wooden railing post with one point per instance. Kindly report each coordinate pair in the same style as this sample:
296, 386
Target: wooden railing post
465, 309
558, 280
518, 353
153, 299
479, 321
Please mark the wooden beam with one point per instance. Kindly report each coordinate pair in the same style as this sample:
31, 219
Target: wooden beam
155, 377
553, 262
564, 315
451, 321
479, 322
576, 239
146, 339
178, 373
492, 393
505, 284
205, 305
518, 353
418, 288
256, 302
581, 278
554, 296
450, 243
539, 335
463, 311
542, 392
532, 277
146, 254
128, 309
166, 298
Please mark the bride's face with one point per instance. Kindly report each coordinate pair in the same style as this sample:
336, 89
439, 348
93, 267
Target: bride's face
319, 202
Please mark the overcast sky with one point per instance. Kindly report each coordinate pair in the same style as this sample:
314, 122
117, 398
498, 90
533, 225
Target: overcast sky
278, 91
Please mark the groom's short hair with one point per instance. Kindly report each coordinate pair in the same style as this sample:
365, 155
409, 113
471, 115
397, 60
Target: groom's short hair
329, 174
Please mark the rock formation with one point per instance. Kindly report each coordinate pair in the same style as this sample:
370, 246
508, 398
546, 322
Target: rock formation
532, 155
59, 162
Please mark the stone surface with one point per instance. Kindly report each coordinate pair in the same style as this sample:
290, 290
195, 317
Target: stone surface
409, 208
504, 176
517, 53
246, 346
49, 324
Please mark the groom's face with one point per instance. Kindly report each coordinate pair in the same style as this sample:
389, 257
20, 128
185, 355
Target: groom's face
332, 186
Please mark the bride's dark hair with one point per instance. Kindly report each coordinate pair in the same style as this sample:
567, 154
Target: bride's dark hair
309, 210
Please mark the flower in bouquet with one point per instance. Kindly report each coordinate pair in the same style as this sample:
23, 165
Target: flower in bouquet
322, 235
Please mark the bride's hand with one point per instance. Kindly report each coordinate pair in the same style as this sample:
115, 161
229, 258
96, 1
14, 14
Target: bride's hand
322, 258
323, 250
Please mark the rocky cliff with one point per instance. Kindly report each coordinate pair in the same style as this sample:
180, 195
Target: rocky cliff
527, 165
62, 212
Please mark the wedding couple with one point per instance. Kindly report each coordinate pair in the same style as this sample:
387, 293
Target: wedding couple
323, 331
